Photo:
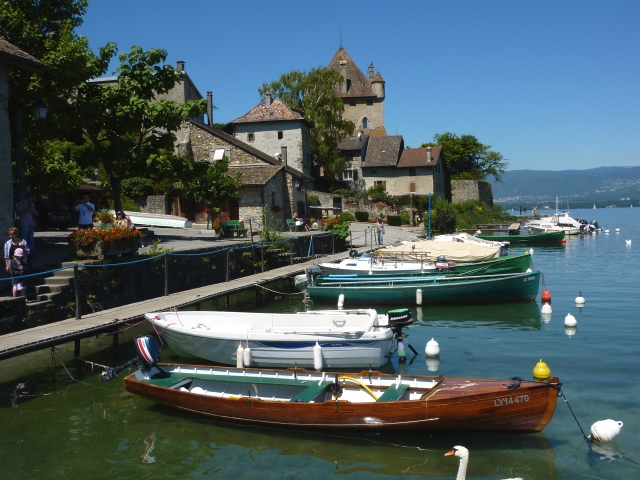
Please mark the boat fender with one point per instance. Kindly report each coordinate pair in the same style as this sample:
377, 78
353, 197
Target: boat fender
240, 356
580, 299
432, 348
341, 300
570, 321
247, 356
605, 430
546, 309
418, 296
317, 357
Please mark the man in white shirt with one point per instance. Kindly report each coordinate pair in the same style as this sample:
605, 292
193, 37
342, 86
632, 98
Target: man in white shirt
86, 209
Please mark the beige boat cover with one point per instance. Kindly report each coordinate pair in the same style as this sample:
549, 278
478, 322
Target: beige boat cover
456, 251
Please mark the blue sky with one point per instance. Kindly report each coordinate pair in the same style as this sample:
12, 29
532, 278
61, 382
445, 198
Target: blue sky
550, 85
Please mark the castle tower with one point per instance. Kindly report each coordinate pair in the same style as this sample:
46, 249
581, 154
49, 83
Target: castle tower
363, 95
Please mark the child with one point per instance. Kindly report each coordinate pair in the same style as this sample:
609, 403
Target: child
18, 268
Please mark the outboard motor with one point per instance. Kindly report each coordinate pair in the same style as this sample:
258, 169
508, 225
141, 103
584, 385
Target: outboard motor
504, 248
399, 318
441, 263
148, 355
314, 272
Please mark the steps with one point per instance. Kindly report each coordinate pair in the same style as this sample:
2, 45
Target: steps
54, 286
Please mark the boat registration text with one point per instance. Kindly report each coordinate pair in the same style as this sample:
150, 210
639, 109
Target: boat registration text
499, 402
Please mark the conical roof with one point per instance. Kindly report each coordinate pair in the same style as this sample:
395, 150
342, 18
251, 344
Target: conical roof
360, 84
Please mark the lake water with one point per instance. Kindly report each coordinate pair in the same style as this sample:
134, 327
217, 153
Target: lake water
74, 426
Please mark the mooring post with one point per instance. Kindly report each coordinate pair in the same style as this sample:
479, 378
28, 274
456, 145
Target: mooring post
228, 250
312, 248
262, 256
76, 283
166, 274
76, 349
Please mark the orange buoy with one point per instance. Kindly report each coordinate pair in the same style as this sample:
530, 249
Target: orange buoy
546, 295
564, 241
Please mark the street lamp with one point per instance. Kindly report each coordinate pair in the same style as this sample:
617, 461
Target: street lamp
40, 109
429, 217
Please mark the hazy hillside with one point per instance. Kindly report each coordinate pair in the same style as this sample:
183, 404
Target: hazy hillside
603, 186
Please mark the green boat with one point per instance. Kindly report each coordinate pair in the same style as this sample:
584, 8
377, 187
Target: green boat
432, 290
548, 237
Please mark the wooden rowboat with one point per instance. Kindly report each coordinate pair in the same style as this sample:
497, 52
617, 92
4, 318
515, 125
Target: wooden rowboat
366, 400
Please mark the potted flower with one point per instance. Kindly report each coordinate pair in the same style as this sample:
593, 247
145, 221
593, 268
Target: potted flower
100, 243
103, 219
216, 225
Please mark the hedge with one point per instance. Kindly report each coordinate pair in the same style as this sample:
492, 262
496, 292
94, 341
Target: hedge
362, 216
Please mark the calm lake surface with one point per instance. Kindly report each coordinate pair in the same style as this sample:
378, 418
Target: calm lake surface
75, 426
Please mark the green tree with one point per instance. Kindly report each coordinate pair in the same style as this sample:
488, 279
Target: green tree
312, 93
466, 157
211, 183
45, 29
127, 129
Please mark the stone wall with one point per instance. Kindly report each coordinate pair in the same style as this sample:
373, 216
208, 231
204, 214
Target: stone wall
465, 190
155, 204
355, 113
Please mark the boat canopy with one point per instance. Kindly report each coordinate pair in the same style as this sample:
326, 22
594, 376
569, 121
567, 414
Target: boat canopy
456, 251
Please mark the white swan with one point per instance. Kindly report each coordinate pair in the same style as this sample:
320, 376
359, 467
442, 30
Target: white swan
463, 453
628, 242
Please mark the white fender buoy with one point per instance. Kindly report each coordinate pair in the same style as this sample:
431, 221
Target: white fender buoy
570, 321
317, 357
341, 300
570, 331
432, 349
580, 299
419, 313
240, 356
628, 242
370, 272
606, 231
605, 430
433, 364
617, 230
546, 309
418, 297
247, 356
531, 251
528, 270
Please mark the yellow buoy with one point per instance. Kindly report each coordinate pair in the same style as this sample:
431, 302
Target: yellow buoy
541, 370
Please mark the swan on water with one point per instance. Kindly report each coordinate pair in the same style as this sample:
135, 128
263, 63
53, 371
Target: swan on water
463, 454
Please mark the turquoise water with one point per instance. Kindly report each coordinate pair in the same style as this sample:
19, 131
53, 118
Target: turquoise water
74, 426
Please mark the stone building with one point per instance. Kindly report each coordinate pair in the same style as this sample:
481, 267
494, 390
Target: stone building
383, 160
277, 130
363, 95
266, 181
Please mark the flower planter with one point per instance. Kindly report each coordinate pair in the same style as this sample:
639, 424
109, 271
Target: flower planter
100, 250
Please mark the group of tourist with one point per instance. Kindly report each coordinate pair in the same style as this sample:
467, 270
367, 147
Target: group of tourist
20, 246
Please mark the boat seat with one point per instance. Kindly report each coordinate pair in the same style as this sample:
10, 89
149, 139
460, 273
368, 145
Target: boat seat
393, 393
311, 392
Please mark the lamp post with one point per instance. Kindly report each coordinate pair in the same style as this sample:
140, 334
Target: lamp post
40, 109
429, 217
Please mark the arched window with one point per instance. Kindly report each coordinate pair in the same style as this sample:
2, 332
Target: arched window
365, 122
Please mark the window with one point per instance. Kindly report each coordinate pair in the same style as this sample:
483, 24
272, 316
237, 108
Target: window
280, 135
218, 153
250, 137
348, 84
365, 122
350, 175
380, 182
353, 103
283, 152
412, 187
370, 102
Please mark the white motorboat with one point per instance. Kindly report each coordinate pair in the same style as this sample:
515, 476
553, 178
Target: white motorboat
560, 221
333, 338
465, 237
380, 264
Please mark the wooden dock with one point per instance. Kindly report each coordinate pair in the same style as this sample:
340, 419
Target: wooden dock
57, 333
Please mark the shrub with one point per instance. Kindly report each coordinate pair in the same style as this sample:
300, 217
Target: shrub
444, 221
394, 220
346, 217
314, 199
136, 187
362, 216
404, 218
379, 194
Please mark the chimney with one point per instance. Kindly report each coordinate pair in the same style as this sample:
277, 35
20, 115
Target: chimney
371, 71
428, 154
181, 65
343, 72
210, 108
267, 99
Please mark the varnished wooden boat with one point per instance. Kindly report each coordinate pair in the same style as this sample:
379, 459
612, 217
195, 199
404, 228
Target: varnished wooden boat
367, 400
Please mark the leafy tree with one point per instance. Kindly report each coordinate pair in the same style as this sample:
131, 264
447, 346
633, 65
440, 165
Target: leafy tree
129, 131
211, 184
45, 29
378, 193
312, 93
468, 158
136, 187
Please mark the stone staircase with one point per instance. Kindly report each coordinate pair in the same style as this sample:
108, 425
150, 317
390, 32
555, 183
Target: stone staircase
59, 283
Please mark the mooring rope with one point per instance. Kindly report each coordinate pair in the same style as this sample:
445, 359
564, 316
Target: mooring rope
279, 293
561, 394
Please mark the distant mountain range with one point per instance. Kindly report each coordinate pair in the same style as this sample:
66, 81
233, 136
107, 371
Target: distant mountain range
603, 186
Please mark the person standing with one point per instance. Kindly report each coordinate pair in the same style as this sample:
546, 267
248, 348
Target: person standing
86, 209
26, 210
11, 245
380, 229
17, 269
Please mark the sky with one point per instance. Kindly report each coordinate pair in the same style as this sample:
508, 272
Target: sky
550, 85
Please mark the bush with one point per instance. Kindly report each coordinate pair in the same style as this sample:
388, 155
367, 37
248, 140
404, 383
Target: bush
444, 221
362, 216
314, 199
136, 187
379, 194
346, 217
404, 218
394, 220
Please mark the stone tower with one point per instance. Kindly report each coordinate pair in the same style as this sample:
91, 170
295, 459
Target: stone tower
363, 95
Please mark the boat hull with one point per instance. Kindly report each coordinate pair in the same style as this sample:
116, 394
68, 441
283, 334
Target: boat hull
443, 290
538, 238
452, 404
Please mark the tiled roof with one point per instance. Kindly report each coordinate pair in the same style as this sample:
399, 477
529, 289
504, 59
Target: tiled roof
377, 132
254, 174
278, 111
248, 148
377, 78
352, 143
360, 84
417, 157
12, 55
383, 151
